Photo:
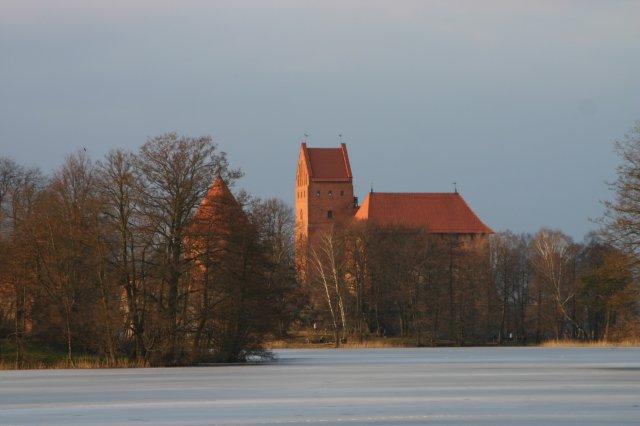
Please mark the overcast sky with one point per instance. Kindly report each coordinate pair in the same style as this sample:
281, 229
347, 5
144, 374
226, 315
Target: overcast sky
519, 102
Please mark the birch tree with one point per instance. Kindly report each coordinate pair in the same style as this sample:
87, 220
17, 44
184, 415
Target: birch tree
554, 257
327, 260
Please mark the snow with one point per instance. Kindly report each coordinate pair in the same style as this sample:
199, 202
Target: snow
524, 386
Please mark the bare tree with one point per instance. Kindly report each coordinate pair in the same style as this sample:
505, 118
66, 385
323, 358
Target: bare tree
18, 188
175, 172
327, 260
119, 186
622, 215
65, 235
511, 273
554, 259
275, 226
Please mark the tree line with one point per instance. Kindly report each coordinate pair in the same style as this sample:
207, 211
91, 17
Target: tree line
106, 258
507, 288
147, 255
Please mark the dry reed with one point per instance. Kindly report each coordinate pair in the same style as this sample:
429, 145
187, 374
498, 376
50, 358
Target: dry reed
558, 343
76, 363
354, 344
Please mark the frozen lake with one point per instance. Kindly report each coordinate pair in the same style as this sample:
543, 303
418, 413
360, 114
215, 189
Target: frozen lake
525, 386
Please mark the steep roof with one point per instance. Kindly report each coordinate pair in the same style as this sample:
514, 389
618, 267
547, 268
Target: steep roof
438, 213
216, 208
327, 164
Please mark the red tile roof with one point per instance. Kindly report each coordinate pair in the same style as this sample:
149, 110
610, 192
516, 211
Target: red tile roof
217, 206
328, 164
438, 213
216, 224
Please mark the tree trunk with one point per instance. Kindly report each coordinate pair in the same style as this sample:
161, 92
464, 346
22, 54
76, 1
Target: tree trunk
67, 310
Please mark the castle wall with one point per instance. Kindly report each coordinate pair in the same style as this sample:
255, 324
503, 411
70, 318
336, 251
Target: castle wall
327, 203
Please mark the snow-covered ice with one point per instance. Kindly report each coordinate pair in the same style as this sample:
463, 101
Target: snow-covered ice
386, 386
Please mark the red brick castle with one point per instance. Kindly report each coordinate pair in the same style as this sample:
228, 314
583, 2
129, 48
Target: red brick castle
324, 195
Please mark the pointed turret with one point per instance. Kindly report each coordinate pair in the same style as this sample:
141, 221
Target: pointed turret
219, 212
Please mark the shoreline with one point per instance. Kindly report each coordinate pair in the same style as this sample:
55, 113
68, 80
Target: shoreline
84, 362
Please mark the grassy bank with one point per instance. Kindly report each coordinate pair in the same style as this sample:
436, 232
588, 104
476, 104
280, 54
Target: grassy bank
35, 357
400, 343
628, 343
77, 362
349, 344
310, 340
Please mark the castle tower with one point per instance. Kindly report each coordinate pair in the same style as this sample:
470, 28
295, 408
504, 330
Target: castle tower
218, 220
323, 195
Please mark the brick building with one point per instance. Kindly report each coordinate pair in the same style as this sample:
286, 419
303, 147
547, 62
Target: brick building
324, 195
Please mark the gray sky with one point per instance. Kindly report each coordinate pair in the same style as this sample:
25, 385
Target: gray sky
519, 102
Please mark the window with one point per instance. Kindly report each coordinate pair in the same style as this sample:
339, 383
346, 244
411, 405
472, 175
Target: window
300, 214
341, 193
330, 193
329, 214
317, 193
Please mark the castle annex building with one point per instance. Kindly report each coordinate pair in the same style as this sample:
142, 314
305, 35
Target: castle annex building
324, 195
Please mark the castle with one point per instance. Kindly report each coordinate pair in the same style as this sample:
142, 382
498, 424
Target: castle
324, 195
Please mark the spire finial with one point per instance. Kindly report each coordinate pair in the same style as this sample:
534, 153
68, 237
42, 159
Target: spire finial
340, 138
218, 176
455, 187
371, 190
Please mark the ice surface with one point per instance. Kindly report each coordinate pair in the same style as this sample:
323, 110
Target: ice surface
524, 386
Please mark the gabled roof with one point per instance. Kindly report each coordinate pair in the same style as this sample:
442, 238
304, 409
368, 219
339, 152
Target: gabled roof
327, 164
438, 213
